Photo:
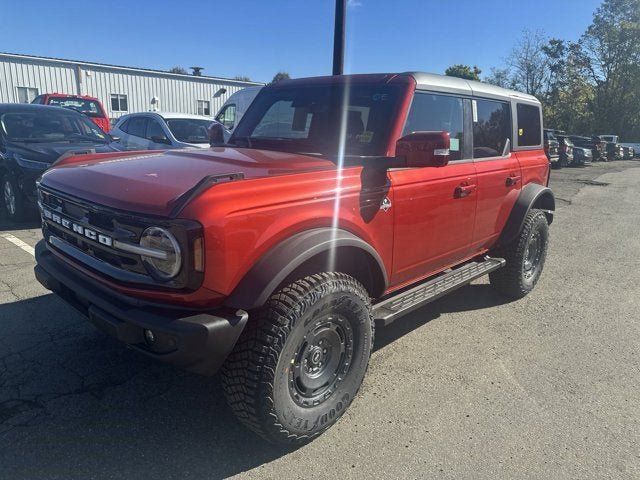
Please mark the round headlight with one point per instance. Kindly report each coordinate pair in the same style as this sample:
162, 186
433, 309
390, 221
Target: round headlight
164, 258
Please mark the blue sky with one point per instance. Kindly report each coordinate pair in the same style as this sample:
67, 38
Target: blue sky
259, 38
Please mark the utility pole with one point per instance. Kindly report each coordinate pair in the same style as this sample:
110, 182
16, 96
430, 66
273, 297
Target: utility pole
338, 38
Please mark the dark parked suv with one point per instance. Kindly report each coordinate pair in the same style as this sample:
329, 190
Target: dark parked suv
32, 138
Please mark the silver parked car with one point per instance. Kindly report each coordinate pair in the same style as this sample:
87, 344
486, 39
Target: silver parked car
161, 130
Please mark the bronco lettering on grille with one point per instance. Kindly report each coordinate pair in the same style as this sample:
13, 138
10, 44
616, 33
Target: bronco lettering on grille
78, 228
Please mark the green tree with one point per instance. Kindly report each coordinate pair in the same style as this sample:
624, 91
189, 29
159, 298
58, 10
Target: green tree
611, 54
178, 70
242, 78
463, 71
279, 77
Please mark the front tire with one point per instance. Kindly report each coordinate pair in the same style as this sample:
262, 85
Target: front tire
300, 362
13, 200
525, 258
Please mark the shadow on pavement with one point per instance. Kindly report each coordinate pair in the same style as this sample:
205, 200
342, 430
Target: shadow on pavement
471, 297
77, 404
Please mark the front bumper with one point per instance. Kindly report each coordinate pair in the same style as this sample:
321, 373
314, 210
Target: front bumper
196, 340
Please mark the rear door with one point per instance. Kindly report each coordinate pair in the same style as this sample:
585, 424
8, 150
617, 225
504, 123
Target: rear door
433, 220
498, 172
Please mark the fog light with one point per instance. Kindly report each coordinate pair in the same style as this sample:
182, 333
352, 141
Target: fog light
149, 337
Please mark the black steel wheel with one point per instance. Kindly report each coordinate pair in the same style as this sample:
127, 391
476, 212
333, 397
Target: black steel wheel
525, 257
321, 361
301, 359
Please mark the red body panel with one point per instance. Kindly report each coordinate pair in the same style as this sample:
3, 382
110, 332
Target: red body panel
149, 182
430, 226
434, 225
499, 184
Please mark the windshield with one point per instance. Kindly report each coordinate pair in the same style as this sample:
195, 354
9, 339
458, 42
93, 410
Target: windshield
307, 119
90, 108
189, 130
42, 126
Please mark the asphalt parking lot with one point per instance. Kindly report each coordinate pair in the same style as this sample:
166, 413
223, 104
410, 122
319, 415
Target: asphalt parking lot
467, 387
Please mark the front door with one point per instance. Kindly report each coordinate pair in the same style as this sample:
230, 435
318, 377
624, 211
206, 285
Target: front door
434, 207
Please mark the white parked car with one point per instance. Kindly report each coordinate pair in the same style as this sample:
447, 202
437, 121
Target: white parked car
235, 106
162, 130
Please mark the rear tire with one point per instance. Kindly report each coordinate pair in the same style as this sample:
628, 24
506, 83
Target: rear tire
300, 362
525, 258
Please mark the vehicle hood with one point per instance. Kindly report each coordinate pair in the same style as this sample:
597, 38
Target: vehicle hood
50, 152
152, 182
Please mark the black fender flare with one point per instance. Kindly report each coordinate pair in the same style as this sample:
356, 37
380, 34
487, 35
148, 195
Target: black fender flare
282, 260
531, 196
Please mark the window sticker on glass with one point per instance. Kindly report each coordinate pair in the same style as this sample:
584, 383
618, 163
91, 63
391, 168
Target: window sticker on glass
520, 132
365, 137
474, 108
454, 145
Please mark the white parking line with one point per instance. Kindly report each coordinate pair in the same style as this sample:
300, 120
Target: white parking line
19, 243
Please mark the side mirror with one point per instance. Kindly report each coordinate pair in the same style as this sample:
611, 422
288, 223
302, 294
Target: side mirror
159, 139
424, 149
216, 134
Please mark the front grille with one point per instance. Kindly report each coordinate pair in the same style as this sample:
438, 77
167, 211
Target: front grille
87, 232
90, 217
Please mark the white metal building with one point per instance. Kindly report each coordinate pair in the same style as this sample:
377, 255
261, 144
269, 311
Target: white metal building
120, 89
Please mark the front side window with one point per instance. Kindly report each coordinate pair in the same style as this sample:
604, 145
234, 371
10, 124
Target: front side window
26, 94
227, 116
90, 108
137, 126
204, 108
318, 119
438, 113
491, 128
154, 130
50, 126
529, 125
119, 103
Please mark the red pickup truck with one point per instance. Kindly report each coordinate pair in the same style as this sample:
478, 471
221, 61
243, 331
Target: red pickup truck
337, 203
90, 106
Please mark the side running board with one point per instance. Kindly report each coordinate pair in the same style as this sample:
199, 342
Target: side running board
391, 308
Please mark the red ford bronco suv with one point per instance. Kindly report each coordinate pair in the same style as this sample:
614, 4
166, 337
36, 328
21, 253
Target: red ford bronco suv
338, 202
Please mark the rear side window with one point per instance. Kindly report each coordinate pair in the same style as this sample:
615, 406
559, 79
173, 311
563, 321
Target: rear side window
528, 125
437, 113
136, 126
491, 128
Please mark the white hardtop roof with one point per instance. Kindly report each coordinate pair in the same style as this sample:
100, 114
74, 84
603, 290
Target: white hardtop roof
443, 83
